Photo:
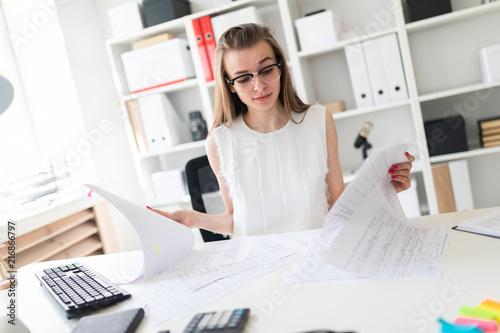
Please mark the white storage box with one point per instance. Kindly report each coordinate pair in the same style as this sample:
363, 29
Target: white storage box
223, 22
169, 186
490, 63
125, 20
158, 65
318, 30
163, 126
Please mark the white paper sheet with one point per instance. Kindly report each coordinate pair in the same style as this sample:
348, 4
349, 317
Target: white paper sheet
265, 249
379, 243
164, 241
213, 254
168, 298
488, 224
377, 239
312, 268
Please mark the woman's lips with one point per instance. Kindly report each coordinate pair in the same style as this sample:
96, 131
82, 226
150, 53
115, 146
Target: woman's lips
262, 98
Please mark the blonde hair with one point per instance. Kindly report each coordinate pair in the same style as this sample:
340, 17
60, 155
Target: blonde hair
227, 104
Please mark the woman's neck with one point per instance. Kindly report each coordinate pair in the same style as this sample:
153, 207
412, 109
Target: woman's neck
266, 121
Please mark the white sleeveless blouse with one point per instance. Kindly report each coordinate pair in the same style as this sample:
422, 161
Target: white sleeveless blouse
276, 180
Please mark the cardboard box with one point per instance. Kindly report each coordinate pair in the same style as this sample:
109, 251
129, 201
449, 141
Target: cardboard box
490, 63
125, 20
335, 107
318, 30
169, 186
158, 65
443, 188
153, 40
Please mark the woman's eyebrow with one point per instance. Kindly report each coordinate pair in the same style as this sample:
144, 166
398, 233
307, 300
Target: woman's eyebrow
246, 71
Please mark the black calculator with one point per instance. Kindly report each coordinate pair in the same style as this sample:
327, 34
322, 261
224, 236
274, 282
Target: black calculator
228, 321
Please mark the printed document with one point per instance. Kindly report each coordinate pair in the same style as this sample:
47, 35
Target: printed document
312, 267
377, 239
164, 241
174, 294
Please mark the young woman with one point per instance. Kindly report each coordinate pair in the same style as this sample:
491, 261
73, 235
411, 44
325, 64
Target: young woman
275, 157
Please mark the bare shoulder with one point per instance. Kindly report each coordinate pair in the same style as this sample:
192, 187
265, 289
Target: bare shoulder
212, 153
330, 122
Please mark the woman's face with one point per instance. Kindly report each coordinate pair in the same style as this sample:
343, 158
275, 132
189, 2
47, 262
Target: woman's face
262, 96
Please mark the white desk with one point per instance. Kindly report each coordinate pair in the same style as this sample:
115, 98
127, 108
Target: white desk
471, 273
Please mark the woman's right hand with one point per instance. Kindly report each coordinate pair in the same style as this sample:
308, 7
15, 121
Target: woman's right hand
183, 216
221, 223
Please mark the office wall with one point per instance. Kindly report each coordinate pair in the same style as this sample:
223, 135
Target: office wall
106, 136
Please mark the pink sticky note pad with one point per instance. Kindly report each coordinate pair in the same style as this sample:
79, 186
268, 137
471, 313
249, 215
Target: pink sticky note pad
484, 324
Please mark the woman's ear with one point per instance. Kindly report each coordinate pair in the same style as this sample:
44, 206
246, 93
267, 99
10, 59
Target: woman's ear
231, 88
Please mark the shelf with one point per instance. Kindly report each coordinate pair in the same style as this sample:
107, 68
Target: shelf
321, 75
56, 244
373, 109
230, 7
71, 232
170, 88
210, 84
44, 234
475, 151
174, 149
343, 43
451, 17
174, 26
88, 246
458, 91
177, 26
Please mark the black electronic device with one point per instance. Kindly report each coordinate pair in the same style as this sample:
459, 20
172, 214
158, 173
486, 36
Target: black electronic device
123, 321
79, 290
228, 321
159, 11
422, 9
446, 136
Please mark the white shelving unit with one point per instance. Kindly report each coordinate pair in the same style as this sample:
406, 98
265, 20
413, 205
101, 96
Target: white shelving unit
440, 62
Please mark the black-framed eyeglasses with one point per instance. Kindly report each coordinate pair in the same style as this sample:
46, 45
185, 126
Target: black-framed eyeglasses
268, 74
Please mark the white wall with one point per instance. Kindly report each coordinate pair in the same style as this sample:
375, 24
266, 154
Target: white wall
83, 24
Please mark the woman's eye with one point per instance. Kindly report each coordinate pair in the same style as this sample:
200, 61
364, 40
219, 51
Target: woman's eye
243, 80
267, 71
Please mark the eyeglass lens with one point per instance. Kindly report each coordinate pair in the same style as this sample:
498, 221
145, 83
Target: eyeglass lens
268, 74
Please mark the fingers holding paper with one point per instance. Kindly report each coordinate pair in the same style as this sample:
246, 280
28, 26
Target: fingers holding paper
400, 174
185, 217
220, 223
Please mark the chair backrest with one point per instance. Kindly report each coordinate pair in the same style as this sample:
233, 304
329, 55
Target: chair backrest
201, 180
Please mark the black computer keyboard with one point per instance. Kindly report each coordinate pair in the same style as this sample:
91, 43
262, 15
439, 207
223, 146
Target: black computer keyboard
80, 289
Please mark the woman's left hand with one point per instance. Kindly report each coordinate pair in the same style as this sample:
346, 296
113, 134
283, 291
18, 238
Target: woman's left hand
400, 174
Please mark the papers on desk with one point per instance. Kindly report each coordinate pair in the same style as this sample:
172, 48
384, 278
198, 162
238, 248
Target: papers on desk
377, 239
186, 288
488, 225
366, 233
313, 268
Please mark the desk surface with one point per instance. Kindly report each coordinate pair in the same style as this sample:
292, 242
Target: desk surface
470, 274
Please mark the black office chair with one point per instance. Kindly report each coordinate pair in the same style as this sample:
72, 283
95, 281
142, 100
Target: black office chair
200, 180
